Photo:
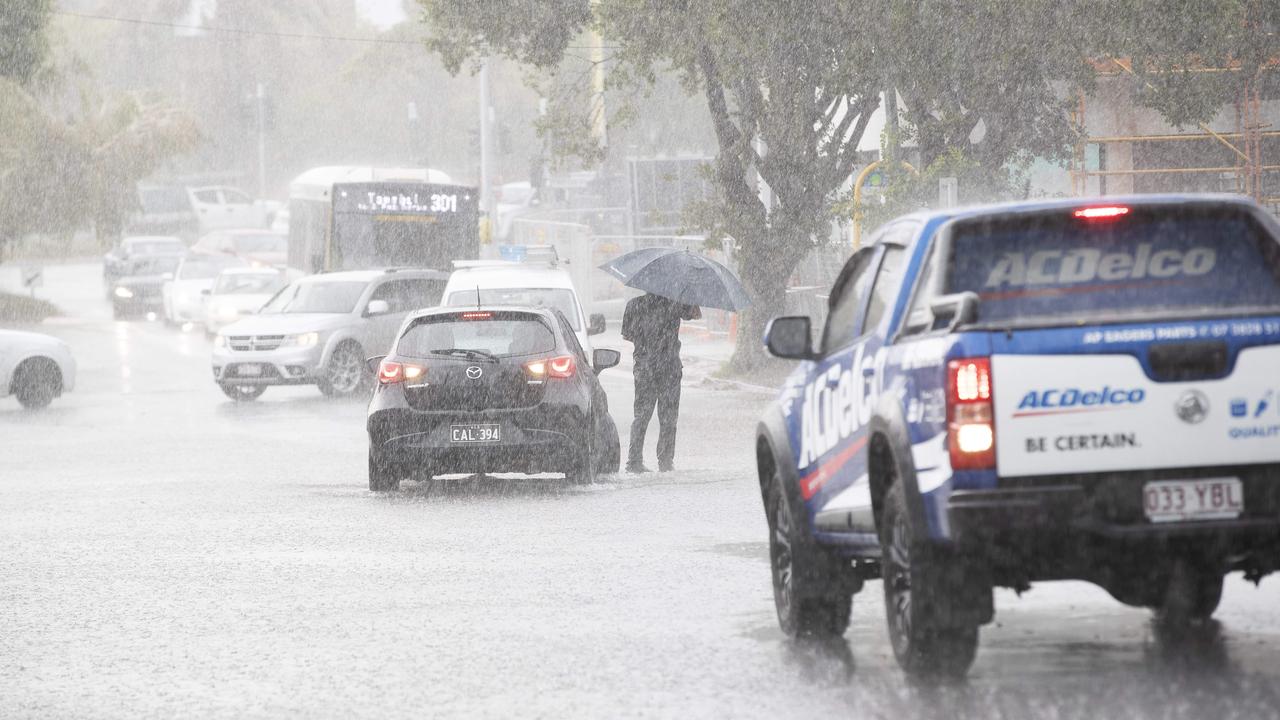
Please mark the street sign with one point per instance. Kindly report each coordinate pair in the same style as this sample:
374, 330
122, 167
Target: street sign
32, 276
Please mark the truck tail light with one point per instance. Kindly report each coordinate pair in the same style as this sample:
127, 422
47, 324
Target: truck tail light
391, 372
561, 366
971, 433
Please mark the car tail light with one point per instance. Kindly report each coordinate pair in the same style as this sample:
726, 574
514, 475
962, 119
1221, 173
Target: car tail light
391, 371
562, 366
971, 433
1105, 212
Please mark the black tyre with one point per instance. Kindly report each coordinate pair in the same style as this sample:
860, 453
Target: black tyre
1191, 595
242, 393
346, 373
812, 588
384, 476
583, 471
36, 383
610, 460
914, 590
119, 312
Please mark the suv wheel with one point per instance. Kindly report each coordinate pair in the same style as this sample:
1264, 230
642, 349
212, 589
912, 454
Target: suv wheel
36, 383
811, 589
913, 588
242, 393
346, 373
384, 476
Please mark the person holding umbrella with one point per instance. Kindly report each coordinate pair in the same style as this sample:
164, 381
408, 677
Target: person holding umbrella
652, 324
677, 283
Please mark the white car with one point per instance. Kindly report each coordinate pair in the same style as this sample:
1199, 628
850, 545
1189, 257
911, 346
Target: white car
184, 295
240, 291
35, 368
320, 330
218, 207
524, 283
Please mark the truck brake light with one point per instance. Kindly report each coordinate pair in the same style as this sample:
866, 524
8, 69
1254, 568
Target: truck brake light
971, 436
1106, 212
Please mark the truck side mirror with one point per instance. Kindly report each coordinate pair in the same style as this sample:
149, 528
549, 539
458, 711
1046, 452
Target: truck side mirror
789, 338
954, 310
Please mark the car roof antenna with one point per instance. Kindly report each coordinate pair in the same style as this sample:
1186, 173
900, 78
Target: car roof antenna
477, 297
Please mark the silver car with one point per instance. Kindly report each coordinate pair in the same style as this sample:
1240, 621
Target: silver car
318, 331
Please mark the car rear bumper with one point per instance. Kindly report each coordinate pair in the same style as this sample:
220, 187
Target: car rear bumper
543, 438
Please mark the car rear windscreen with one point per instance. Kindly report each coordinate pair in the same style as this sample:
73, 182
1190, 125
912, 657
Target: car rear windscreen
1153, 262
492, 333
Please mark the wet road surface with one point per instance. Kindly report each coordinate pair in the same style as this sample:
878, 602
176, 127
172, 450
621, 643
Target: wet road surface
165, 551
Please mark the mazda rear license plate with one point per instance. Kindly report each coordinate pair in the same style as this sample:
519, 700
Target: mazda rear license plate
483, 432
1180, 500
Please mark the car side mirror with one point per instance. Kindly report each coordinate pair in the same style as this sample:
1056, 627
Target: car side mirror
595, 324
377, 307
954, 310
789, 338
374, 363
603, 359
207, 291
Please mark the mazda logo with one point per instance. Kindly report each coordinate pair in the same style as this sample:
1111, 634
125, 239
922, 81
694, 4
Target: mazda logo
474, 372
1192, 407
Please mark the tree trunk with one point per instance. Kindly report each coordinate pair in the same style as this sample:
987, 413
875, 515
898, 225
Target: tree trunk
766, 266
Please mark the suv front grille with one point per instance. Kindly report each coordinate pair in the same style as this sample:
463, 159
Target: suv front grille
243, 343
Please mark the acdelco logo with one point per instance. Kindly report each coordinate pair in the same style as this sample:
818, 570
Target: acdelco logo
1056, 267
1038, 401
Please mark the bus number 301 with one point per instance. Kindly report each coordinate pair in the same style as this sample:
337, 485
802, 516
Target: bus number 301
444, 203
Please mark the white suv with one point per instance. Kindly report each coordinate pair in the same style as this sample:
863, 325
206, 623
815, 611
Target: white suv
318, 331
529, 284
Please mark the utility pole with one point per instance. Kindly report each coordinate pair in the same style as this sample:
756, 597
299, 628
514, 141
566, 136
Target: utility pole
486, 145
262, 142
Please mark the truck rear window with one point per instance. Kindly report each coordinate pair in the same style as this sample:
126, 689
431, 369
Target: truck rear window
1154, 262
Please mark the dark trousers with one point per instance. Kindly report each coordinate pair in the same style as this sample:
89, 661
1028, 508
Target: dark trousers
657, 386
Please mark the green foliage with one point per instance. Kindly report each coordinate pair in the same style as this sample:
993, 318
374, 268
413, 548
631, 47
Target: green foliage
23, 45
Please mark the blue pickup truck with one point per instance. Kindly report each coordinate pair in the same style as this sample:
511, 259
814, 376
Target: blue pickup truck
1039, 391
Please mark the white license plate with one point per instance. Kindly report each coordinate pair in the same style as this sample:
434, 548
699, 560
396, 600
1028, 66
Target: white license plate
485, 432
249, 370
1207, 499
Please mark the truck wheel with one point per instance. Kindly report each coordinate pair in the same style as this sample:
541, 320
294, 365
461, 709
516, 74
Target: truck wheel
923, 646
36, 383
384, 476
1191, 595
811, 591
242, 393
346, 373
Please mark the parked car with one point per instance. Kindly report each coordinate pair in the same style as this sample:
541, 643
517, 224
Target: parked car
184, 296
1040, 391
259, 247
221, 207
35, 368
319, 330
133, 253
238, 292
533, 282
493, 389
164, 210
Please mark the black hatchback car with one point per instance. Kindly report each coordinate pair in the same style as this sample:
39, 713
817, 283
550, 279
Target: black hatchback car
504, 389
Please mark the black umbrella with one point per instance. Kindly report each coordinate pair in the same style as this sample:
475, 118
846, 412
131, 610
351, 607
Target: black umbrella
681, 276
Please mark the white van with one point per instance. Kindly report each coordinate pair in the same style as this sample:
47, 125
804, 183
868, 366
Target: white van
536, 283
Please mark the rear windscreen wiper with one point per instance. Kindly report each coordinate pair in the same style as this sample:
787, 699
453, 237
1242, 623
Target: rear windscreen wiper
466, 352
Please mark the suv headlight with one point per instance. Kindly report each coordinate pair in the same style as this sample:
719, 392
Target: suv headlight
303, 340
123, 292
219, 340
